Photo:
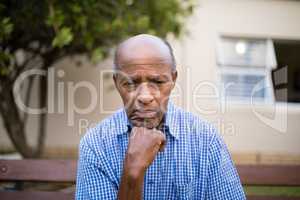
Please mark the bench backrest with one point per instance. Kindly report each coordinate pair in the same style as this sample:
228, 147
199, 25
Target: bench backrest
65, 171
269, 175
38, 171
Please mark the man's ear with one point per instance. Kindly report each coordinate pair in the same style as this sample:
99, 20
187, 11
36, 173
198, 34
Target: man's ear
115, 78
174, 76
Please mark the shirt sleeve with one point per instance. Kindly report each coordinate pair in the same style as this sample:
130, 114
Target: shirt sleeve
223, 182
92, 183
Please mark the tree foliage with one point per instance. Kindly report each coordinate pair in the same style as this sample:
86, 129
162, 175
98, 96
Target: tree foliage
43, 31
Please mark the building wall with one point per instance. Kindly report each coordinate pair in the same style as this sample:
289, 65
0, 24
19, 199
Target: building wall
265, 19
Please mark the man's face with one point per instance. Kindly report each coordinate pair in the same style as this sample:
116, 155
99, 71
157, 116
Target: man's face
145, 86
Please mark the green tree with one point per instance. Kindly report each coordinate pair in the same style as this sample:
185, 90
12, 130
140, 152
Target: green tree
44, 31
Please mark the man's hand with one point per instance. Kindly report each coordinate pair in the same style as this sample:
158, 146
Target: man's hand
143, 146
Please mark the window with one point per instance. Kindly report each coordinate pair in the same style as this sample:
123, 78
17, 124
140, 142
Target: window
245, 66
287, 76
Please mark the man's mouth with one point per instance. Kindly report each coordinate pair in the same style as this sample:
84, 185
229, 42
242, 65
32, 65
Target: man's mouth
143, 114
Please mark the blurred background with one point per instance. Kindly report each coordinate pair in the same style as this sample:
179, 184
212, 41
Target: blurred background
238, 64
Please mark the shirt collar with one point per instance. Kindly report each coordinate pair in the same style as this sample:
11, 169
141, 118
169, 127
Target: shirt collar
170, 126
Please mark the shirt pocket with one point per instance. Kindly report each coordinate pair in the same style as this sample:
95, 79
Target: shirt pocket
184, 173
184, 191
184, 185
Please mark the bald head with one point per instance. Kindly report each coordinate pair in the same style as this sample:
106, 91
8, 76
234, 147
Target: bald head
144, 48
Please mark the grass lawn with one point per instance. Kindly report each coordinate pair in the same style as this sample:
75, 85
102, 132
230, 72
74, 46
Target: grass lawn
273, 190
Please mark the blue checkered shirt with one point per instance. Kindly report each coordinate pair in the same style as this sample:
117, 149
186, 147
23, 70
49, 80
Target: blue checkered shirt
194, 165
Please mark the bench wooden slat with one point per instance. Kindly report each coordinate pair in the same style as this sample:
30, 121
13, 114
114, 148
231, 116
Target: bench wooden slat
24, 195
38, 170
65, 171
30, 195
269, 175
271, 198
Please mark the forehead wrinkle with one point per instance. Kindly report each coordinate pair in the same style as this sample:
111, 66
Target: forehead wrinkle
139, 74
139, 64
146, 69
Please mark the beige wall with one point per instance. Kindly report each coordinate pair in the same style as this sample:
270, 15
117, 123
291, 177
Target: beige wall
243, 131
266, 19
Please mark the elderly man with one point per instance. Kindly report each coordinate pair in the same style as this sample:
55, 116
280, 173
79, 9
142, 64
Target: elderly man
151, 149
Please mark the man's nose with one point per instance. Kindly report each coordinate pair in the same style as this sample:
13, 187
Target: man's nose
144, 94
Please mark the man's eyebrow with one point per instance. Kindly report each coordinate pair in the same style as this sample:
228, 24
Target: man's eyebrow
123, 77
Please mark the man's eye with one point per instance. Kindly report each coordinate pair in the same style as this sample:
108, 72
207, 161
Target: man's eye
159, 81
129, 84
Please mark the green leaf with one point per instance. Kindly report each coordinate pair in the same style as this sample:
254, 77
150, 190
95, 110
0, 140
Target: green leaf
116, 23
97, 55
63, 37
76, 8
4, 63
6, 27
143, 22
56, 19
81, 21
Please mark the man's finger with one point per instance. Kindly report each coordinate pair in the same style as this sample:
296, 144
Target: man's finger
162, 138
162, 146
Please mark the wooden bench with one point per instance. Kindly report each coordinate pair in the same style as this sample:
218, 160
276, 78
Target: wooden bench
269, 175
54, 171
63, 171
